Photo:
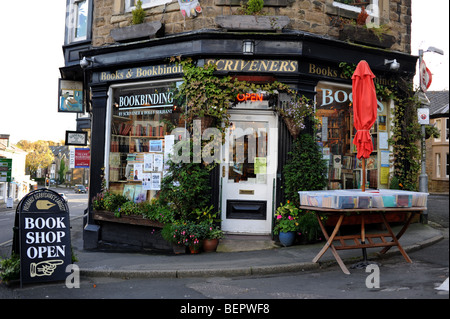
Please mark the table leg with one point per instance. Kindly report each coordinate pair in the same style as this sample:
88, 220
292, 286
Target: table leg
329, 243
395, 239
400, 233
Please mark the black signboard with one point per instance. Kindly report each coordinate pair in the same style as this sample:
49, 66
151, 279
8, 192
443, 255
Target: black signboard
45, 248
43, 221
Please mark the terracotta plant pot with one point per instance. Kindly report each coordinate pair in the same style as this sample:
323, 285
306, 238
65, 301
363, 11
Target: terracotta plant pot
210, 245
178, 249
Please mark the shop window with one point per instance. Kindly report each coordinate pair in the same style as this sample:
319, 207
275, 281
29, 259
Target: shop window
131, 4
142, 119
335, 137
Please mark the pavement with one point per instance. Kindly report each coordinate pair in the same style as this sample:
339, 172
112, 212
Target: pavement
238, 256
257, 256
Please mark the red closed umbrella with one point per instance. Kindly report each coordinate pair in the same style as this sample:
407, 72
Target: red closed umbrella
364, 111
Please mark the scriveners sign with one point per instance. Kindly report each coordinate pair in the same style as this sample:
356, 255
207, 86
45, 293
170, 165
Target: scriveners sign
235, 65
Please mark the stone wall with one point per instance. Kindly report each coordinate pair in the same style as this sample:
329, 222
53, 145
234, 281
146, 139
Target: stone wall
316, 16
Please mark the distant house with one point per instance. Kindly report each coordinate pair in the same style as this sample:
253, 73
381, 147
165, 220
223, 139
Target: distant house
438, 148
20, 183
72, 176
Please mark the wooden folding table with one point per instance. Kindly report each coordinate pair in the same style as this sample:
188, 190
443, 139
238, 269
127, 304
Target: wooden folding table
359, 240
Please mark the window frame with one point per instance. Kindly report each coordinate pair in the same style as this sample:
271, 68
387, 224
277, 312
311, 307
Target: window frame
153, 3
72, 21
374, 11
438, 123
446, 165
446, 129
438, 165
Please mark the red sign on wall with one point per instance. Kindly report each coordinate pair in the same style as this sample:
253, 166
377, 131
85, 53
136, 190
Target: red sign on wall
82, 157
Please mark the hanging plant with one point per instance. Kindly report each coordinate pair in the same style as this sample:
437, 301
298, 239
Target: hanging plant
297, 112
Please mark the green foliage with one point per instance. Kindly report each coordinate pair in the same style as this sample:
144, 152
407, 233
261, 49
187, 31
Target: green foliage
108, 201
186, 233
286, 218
206, 215
406, 133
206, 94
186, 187
62, 170
214, 232
309, 226
138, 13
156, 211
128, 208
10, 268
305, 170
252, 6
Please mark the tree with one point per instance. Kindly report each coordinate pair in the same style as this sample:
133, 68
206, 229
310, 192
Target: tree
39, 155
62, 171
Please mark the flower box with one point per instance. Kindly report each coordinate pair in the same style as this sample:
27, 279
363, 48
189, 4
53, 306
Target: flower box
138, 32
131, 220
252, 22
363, 35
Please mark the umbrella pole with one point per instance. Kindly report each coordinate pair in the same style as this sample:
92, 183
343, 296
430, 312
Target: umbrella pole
363, 186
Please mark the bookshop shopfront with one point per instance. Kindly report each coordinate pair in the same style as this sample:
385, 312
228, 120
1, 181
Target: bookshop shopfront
137, 122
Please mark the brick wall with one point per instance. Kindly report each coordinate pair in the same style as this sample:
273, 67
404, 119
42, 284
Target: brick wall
316, 16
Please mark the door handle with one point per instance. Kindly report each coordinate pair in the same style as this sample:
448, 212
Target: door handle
223, 171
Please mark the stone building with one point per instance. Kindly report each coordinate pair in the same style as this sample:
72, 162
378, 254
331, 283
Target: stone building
301, 43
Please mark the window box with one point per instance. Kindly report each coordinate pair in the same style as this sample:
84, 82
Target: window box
138, 32
106, 216
363, 35
252, 23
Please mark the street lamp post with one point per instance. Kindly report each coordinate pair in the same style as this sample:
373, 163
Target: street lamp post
423, 177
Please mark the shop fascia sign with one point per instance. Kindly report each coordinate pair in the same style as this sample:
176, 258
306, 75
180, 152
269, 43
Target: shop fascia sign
331, 96
137, 73
238, 65
148, 100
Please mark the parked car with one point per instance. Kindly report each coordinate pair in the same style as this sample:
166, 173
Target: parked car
80, 189
64, 196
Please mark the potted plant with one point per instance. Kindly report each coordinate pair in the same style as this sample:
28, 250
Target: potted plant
185, 233
170, 233
251, 18
296, 113
286, 223
212, 237
138, 29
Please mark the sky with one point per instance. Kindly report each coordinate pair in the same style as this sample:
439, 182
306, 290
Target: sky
31, 55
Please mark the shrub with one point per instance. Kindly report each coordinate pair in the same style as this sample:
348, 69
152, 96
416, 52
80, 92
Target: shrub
305, 170
138, 13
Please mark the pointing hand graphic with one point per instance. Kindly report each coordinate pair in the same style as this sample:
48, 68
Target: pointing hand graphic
44, 268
